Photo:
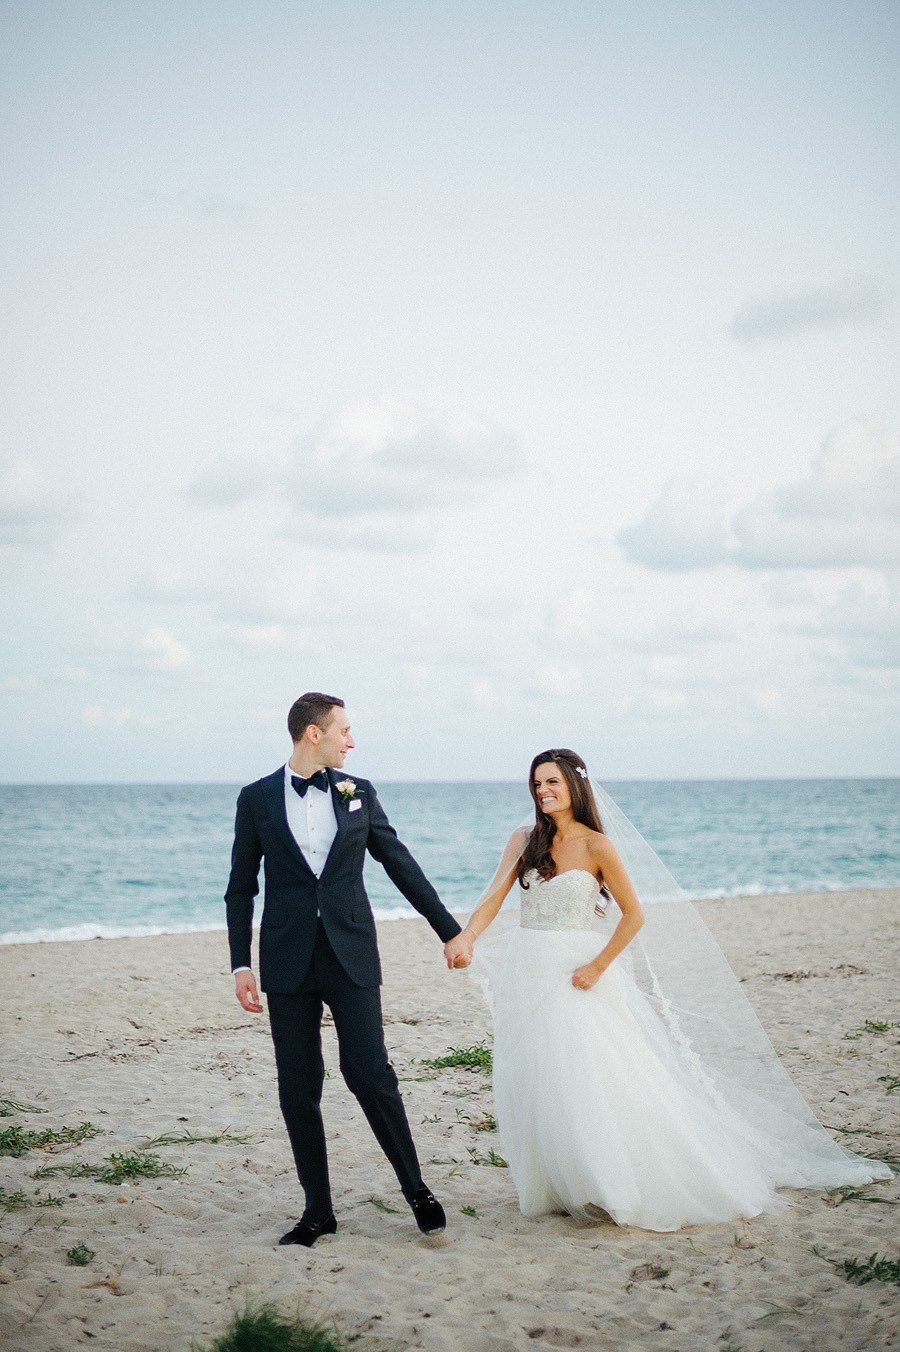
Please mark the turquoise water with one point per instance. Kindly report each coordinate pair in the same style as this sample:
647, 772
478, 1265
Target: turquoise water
78, 861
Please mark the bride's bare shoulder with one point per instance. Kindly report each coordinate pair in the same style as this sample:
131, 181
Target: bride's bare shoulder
601, 847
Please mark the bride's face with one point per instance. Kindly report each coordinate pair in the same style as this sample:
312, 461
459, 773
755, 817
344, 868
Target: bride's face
551, 789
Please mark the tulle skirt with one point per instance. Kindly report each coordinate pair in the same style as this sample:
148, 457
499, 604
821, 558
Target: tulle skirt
598, 1113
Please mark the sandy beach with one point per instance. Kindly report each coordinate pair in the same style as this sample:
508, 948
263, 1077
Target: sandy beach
143, 1037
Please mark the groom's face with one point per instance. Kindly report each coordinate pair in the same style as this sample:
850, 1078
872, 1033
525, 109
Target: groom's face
334, 739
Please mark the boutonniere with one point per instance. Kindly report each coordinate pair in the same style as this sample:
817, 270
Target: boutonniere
346, 788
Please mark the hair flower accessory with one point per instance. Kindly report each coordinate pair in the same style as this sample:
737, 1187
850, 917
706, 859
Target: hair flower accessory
346, 788
579, 769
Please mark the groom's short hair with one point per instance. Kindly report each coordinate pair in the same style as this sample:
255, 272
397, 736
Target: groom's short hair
313, 707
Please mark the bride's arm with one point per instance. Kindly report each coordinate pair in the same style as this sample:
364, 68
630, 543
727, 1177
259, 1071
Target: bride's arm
458, 951
606, 859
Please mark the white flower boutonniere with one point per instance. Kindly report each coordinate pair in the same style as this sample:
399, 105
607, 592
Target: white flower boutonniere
346, 788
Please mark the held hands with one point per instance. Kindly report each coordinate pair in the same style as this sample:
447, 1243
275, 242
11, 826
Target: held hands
583, 978
246, 992
458, 951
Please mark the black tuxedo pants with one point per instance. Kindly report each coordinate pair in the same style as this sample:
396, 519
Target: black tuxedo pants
296, 1021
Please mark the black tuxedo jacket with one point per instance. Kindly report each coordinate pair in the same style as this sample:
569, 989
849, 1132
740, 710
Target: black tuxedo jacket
294, 895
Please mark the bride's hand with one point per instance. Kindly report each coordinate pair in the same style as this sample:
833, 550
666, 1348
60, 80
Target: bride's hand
458, 951
583, 978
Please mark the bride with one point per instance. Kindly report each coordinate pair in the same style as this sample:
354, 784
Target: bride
632, 1079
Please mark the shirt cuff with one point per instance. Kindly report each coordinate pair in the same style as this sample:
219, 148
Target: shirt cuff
241, 969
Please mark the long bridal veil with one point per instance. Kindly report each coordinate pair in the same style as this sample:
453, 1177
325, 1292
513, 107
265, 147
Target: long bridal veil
698, 1021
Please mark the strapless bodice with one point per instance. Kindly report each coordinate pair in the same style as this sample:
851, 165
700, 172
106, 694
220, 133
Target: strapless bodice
565, 901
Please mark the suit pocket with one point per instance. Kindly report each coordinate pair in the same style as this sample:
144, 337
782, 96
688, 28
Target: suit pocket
360, 910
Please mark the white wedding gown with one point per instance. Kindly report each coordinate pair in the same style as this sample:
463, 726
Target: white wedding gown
598, 1110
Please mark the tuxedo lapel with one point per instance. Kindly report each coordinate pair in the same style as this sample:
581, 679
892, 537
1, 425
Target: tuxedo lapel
340, 814
274, 792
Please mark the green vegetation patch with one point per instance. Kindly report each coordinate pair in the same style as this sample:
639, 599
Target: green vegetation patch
18, 1141
264, 1328
80, 1255
118, 1168
187, 1138
491, 1158
871, 1026
479, 1057
871, 1269
837, 1196
18, 1201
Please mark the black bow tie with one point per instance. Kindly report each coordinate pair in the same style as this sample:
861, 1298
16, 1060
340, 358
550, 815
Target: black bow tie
319, 780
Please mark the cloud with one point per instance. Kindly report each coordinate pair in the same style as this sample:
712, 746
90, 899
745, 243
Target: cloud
653, 704
373, 533
767, 700
865, 620
483, 695
374, 478
162, 651
856, 301
275, 639
387, 458
557, 680
574, 616
666, 667
845, 512
106, 716
170, 589
682, 634
228, 482
686, 528
30, 512
18, 684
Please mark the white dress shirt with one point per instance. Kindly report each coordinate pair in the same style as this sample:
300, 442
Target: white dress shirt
311, 819
312, 824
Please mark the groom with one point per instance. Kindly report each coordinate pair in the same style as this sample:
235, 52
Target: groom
317, 946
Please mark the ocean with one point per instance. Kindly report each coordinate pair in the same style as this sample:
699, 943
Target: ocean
82, 861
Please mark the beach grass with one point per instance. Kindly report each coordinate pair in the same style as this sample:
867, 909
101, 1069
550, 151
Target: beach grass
487, 1122
871, 1026
264, 1328
118, 1168
871, 1269
478, 1057
491, 1158
17, 1141
188, 1138
9, 1106
649, 1272
383, 1206
18, 1201
849, 1193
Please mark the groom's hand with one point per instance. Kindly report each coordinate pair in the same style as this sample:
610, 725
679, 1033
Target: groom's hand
458, 951
246, 992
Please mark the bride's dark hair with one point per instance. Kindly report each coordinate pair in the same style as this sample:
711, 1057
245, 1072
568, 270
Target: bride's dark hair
537, 854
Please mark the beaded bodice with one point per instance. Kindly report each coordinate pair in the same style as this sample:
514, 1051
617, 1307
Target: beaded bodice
565, 901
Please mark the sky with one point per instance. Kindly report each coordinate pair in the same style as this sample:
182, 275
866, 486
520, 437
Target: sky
523, 373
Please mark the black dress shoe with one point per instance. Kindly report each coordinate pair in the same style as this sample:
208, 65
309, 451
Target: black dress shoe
428, 1211
307, 1232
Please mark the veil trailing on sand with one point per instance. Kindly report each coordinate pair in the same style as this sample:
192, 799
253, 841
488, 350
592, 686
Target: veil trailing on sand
702, 1027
